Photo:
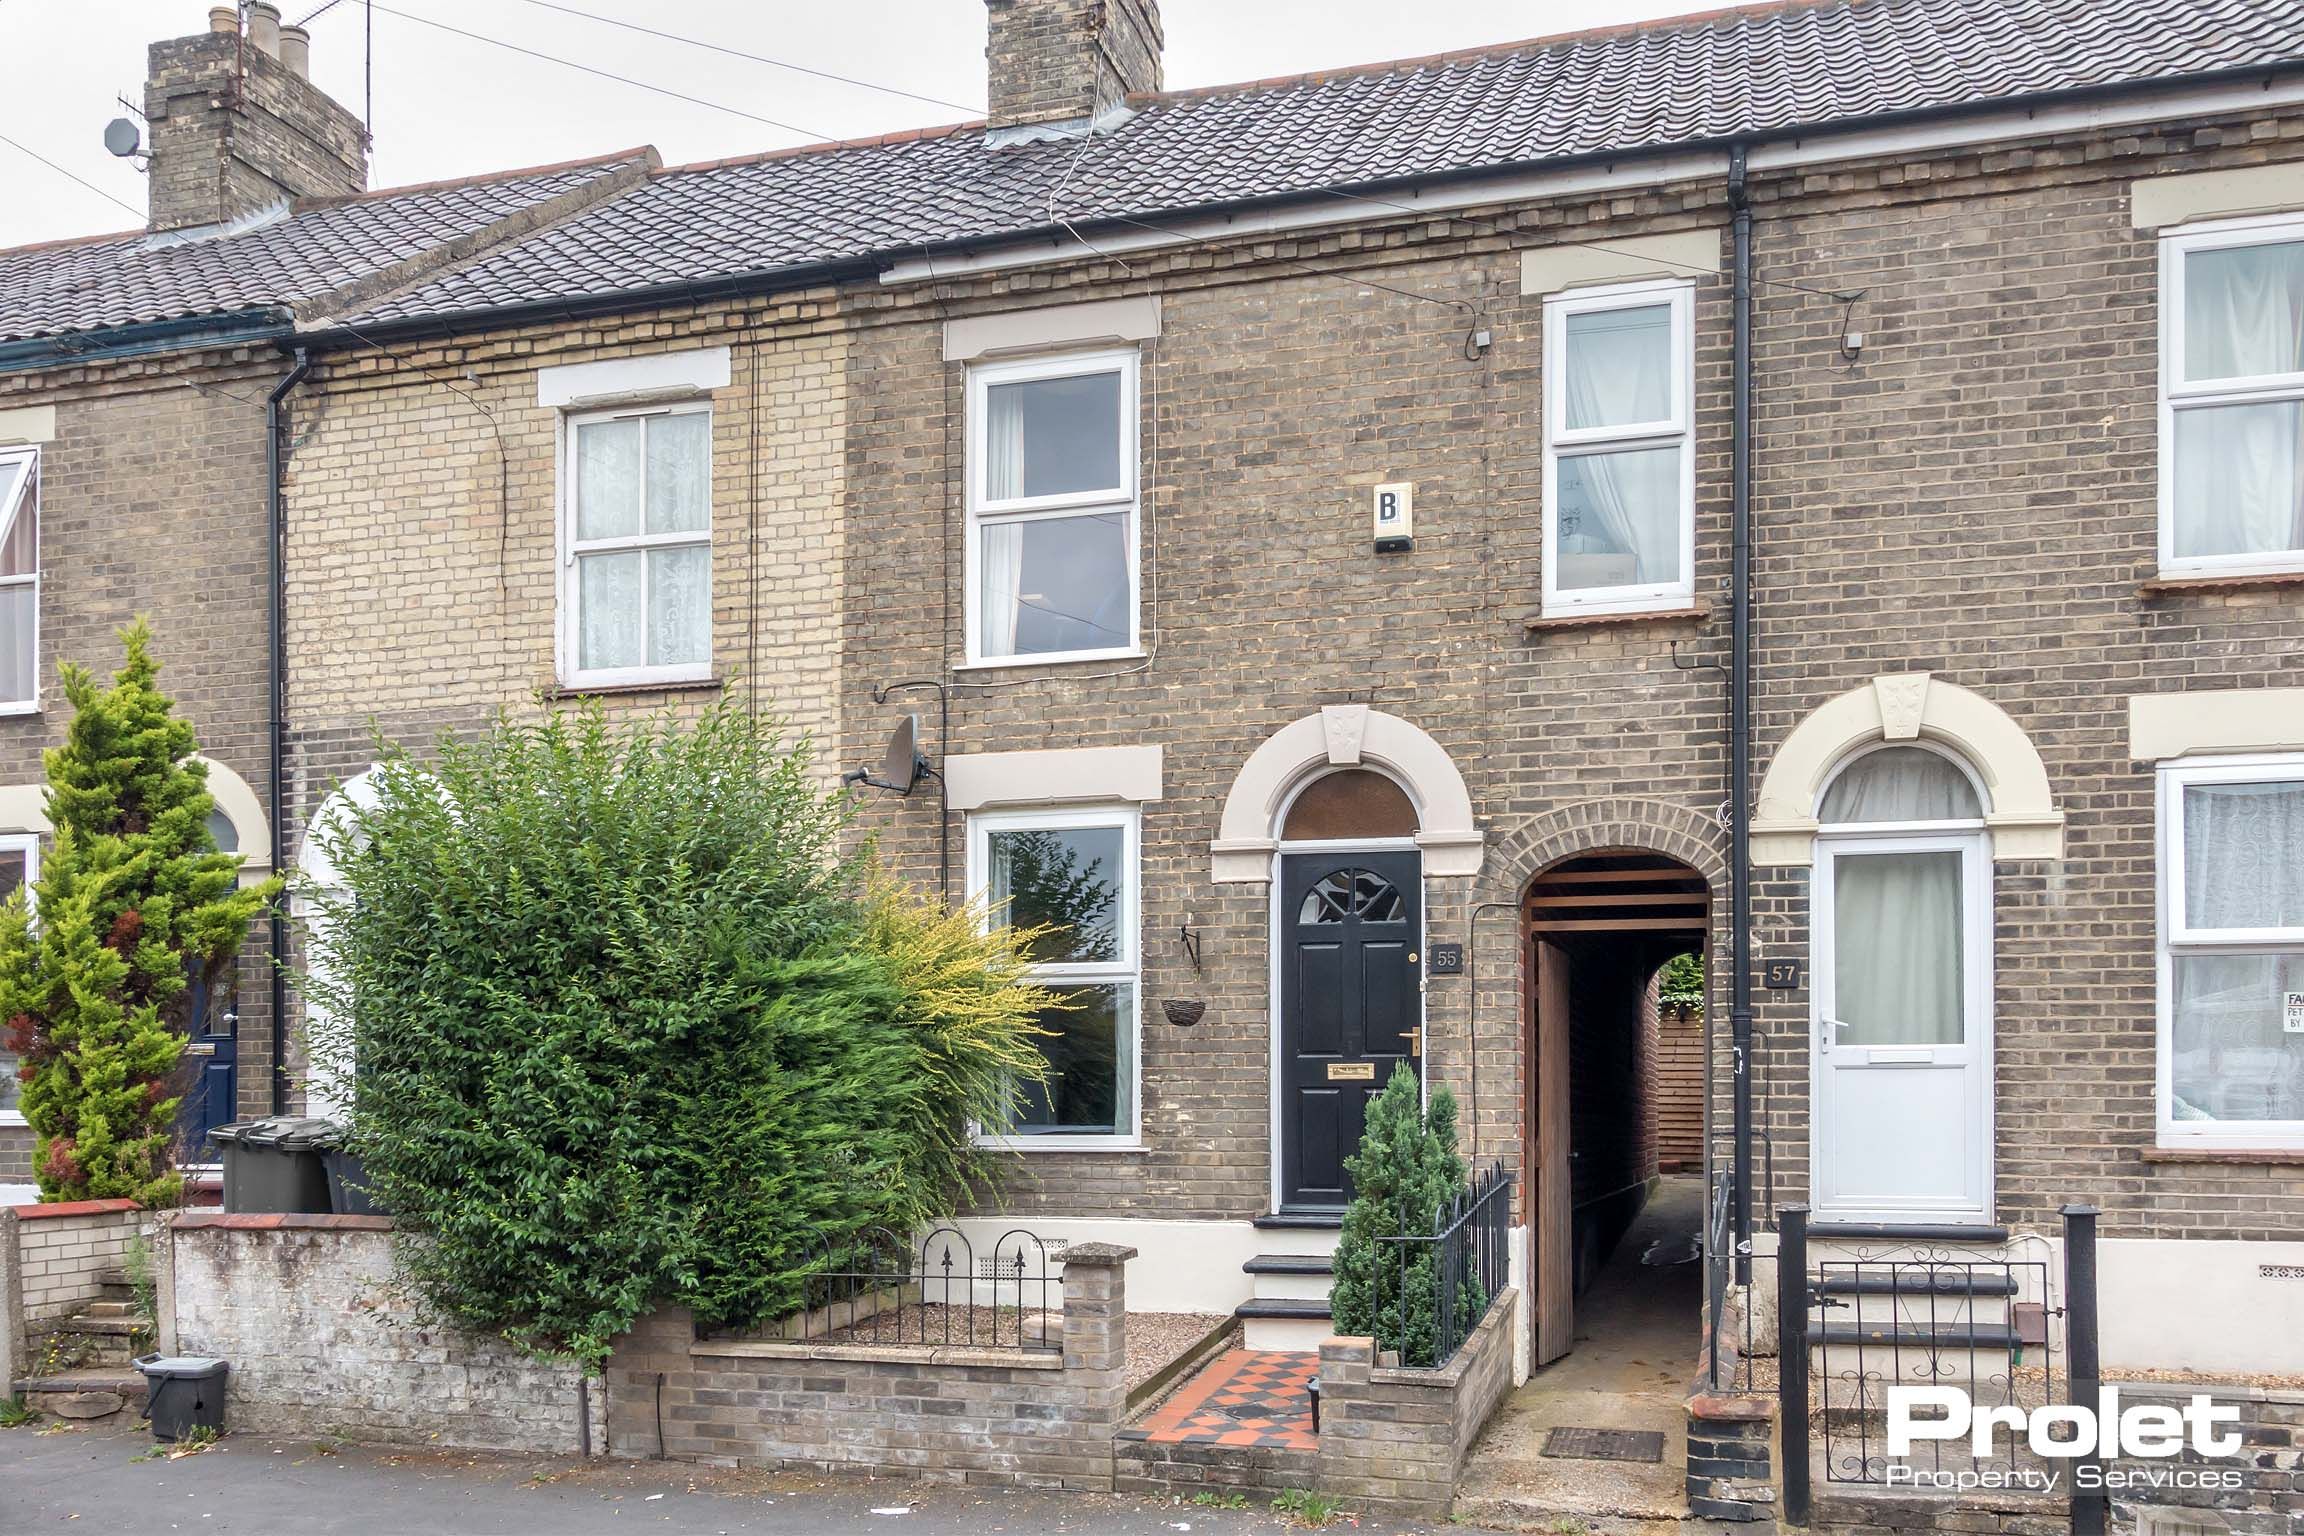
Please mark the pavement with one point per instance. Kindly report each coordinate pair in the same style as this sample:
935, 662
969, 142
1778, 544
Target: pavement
81, 1479
1633, 1359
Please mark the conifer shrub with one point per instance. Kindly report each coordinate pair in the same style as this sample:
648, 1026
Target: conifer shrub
133, 906
1405, 1173
624, 1026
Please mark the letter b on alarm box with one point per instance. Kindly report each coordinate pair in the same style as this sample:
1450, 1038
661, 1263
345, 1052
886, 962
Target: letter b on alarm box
1395, 516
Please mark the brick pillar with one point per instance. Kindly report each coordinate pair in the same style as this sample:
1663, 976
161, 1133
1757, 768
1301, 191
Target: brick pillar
656, 1346
1096, 1351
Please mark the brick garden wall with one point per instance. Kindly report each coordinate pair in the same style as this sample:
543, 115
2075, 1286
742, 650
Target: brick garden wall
1392, 1441
52, 1260
983, 1417
324, 1341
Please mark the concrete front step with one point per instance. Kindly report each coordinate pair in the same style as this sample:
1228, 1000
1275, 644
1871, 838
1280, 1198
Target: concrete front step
121, 1323
91, 1392
1292, 1276
1290, 1324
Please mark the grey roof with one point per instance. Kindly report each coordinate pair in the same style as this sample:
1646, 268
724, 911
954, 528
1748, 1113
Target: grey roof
1689, 81
304, 253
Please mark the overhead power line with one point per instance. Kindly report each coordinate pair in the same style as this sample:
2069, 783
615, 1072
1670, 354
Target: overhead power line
604, 74
756, 58
59, 170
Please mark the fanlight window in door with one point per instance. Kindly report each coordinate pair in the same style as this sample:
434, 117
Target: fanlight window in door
1900, 784
1359, 893
1350, 803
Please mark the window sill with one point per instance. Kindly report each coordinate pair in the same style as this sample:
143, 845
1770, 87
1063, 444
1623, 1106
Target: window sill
1542, 622
2253, 1156
557, 691
1059, 1144
2177, 586
1059, 659
19, 709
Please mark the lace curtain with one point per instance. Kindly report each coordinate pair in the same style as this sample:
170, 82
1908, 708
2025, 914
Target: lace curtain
1896, 948
1619, 511
2238, 486
1899, 784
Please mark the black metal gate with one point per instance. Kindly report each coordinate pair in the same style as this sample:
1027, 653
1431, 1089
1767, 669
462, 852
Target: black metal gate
1923, 1312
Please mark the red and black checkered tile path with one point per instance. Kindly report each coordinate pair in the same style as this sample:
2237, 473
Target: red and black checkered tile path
1243, 1397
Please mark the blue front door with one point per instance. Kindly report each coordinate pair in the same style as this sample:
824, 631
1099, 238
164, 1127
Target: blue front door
210, 1075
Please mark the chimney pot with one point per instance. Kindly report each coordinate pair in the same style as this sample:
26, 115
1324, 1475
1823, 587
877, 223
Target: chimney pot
224, 18
296, 51
264, 27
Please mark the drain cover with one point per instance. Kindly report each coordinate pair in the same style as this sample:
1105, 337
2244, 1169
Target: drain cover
1606, 1444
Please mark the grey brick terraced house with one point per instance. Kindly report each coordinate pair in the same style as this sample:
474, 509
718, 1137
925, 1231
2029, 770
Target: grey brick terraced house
1817, 486
135, 371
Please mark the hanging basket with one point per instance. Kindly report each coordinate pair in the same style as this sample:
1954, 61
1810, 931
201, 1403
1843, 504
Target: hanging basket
1183, 1012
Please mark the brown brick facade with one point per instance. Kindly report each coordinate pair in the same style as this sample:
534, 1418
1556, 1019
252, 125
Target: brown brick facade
1973, 498
152, 504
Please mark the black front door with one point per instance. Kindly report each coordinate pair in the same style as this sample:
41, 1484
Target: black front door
1350, 936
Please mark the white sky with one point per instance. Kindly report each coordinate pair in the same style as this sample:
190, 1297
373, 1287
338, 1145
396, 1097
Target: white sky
448, 106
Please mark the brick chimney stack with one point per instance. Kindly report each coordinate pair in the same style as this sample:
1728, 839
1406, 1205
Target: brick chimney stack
1069, 62
237, 126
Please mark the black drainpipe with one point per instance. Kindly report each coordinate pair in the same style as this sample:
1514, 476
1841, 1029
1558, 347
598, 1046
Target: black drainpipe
1740, 710
276, 619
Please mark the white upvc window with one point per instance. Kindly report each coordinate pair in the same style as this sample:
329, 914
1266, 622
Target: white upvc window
19, 581
1073, 872
1619, 449
2231, 1015
2232, 398
636, 546
19, 869
1052, 509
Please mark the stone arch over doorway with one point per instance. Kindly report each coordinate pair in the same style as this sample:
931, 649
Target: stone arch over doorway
1345, 735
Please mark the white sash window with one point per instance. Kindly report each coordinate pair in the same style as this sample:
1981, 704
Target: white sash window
2231, 1056
1619, 449
1052, 509
2232, 399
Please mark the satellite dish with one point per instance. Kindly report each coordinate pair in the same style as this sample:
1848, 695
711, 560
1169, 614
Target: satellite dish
901, 766
121, 137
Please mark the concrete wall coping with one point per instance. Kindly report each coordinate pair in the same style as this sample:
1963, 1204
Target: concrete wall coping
1096, 1255
58, 1208
1445, 1378
879, 1354
275, 1221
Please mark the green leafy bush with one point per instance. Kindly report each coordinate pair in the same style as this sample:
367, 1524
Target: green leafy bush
1680, 984
624, 1026
135, 906
1404, 1174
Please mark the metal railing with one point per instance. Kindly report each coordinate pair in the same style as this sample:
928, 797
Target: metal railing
885, 1290
1459, 1264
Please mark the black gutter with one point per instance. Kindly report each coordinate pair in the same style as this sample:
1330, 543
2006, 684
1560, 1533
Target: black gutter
184, 333
776, 279
1740, 703
276, 612
737, 285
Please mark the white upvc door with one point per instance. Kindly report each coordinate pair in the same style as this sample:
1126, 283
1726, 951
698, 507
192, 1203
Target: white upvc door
1901, 1086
